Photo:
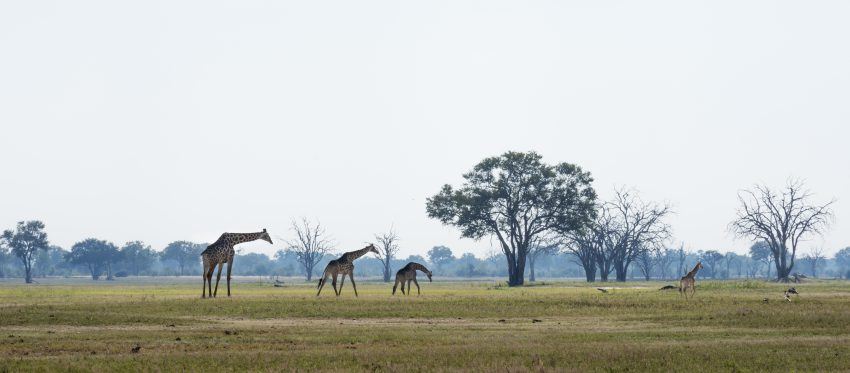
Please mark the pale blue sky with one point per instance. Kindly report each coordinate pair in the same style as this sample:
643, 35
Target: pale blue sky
160, 121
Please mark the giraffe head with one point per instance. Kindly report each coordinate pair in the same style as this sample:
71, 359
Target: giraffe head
699, 265
428, 273
265, 236
372, 249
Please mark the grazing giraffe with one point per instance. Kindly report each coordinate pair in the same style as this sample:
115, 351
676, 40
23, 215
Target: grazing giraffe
343, 266
220, 252
408, 274
689, 281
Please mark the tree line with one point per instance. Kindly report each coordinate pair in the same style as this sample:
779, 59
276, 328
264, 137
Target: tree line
532, 209
100, 259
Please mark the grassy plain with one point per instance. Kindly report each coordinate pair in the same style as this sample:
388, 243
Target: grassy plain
453, 326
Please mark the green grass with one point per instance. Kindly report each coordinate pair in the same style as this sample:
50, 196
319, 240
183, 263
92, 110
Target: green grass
559, 326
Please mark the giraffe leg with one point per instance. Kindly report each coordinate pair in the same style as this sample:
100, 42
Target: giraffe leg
395, 285
208, 275
341, 282
204, 278
418, 292
229, 269
402, 287
409, 288
351, 275
333, 283
217, 278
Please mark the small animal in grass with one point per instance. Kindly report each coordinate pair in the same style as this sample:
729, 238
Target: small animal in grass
668, 287
602, 290
789, 292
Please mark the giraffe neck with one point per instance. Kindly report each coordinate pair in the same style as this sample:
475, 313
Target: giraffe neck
352, 255
418, 267
693, 272
237, 238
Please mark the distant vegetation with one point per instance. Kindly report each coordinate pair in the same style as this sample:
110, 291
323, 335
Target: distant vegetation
98, 259
545, 221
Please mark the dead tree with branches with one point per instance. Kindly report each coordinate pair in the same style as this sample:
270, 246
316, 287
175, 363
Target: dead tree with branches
309, 245
815, 257
781, 219
593, 244
387, 249
640, 226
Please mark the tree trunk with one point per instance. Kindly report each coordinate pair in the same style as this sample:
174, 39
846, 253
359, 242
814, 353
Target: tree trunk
590, 273
516, 269
309, 272
387, 271
91, 272
621, 270
589, 267
28, 275
109, 272
531, 270
603, 273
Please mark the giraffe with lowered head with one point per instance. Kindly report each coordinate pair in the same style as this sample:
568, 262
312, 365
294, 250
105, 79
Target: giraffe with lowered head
689, 281
343, 266
220, 252
408, 274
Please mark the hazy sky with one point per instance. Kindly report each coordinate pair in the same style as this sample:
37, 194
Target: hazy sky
162, 121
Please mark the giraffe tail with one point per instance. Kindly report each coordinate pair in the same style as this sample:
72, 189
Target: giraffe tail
322, 280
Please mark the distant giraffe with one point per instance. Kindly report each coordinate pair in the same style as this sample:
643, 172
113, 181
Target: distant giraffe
689, 281
220, 252
408, 274
343, 266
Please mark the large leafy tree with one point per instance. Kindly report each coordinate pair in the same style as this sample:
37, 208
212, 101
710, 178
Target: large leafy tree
96, 255
138, 256
440, 256
183, 253
25, 242
760, 252
712, 260
842, 257
516, 198
782, 219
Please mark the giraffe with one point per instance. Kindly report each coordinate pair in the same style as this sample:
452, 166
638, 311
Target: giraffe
220, 252
343, 266
408, 273
689, 281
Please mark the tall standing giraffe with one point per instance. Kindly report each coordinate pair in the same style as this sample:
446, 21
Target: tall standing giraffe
408, 274
222, 251
689, 281
343, 266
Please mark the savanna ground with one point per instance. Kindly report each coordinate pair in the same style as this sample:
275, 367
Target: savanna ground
557, 326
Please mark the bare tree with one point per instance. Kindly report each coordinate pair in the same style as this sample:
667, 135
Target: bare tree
640, 227
681, 257
728, 259
593, 245
815, 257
663, 259
310, 244
387, 249
582, 246
645, 261
782, 219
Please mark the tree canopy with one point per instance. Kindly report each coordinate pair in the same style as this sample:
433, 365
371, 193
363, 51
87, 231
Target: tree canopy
96, 255
516, 198
24, 242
